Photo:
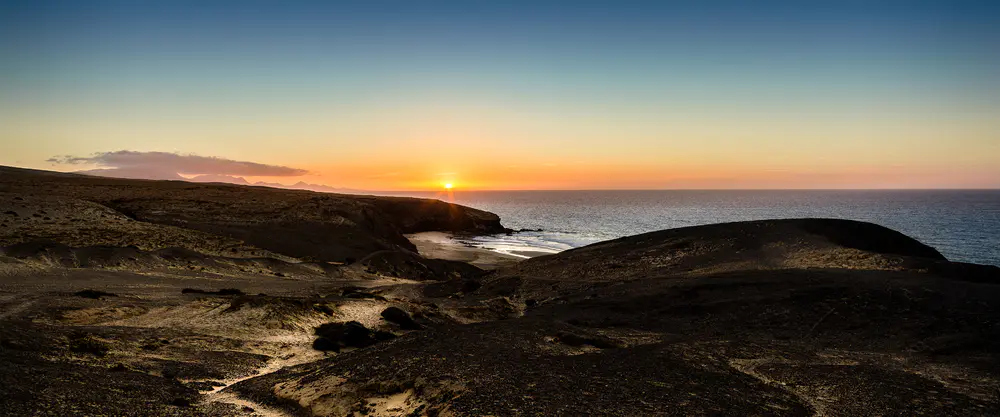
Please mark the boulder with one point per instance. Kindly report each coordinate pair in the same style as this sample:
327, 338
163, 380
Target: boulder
400, 317
357, 335
350, 334
324, 344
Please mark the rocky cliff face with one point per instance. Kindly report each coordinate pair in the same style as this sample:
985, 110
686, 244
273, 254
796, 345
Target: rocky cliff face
245, 221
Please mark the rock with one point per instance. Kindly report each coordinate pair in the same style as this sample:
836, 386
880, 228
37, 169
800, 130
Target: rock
400, 317
350, 334
330, 330
94, 294
326, 345
357, 335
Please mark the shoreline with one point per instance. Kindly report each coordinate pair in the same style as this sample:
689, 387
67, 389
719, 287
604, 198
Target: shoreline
440, 245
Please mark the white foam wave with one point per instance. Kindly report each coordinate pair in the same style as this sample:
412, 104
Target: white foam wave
519, 243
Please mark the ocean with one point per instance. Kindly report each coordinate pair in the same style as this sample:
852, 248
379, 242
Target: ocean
964, 225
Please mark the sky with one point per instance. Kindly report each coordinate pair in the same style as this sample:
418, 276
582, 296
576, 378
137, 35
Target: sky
407, 95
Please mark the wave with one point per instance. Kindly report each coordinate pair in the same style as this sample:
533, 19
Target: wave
530, 242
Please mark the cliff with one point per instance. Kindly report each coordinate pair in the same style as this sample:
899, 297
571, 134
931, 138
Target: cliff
240, 221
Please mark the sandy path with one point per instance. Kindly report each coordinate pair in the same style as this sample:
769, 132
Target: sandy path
220, 395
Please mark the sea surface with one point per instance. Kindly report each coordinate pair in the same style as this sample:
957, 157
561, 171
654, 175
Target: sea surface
964, 225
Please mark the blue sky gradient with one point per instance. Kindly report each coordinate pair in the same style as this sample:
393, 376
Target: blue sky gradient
195, 73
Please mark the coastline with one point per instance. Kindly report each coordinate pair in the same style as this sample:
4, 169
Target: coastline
440, 245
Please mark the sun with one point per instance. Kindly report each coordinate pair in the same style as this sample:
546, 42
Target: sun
449, 186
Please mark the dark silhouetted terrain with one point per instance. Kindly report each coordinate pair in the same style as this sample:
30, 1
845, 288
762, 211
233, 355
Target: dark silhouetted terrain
128, 297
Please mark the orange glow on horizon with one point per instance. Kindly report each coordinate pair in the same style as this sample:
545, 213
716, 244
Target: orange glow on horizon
596, 176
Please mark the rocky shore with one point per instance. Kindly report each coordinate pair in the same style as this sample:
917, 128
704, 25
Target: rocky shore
163, 298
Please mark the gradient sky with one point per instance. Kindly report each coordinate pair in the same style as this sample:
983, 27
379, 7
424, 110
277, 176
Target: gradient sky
517, 95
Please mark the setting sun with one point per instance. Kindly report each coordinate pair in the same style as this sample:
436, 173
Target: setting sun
449, 185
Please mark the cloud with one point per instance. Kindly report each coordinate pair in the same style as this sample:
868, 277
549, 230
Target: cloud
175, 163
133, 173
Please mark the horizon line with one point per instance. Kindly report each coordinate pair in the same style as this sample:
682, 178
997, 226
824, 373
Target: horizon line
354, 191
456, 191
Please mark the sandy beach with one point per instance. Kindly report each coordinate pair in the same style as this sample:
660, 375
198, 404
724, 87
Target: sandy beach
439, 245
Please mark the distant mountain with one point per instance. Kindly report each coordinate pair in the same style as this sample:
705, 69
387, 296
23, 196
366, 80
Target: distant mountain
150, 174
228, 179
311, 187
136, 173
